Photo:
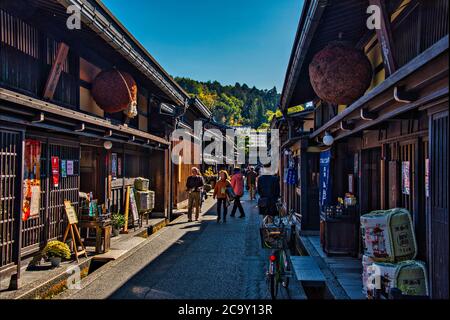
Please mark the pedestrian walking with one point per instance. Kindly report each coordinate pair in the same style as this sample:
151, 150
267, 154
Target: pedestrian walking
237, 182
220, 192
268, 187
251, 182
194, 185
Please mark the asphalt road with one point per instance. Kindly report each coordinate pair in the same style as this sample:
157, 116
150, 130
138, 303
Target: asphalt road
197, 260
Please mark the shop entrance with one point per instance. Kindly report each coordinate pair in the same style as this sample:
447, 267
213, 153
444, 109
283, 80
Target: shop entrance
92, 164
51, 175
370, 180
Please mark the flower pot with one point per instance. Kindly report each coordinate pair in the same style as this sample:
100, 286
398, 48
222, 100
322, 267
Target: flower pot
116, 232
56, 261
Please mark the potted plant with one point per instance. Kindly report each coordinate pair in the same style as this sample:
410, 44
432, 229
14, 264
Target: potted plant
55, 251
118, 222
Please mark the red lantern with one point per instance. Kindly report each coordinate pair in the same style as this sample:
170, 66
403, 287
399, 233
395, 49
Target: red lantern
114, 91
340, 74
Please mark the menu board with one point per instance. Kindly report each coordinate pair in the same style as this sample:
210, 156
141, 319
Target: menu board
70, 212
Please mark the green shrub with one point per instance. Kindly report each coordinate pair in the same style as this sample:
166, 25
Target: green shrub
117, 220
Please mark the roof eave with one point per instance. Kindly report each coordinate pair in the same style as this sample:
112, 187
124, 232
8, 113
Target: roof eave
310, 18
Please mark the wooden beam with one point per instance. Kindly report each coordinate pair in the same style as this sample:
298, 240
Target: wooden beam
55, 71
384, 35
407, 70
389, 116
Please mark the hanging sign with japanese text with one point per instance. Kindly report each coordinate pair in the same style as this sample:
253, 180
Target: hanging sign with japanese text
63, 168
114, 165
69, 167
406, 180
55, 171
324, 187
32, 179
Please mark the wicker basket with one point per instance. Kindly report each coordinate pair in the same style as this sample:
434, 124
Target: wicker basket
269, 240
141, 184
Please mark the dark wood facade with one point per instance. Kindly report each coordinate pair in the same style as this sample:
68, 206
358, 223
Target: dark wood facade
70, 125
379, 135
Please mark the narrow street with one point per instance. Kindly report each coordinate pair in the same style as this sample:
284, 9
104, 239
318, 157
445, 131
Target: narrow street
203, 260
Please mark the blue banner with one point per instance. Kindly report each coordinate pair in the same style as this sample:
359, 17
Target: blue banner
324, 187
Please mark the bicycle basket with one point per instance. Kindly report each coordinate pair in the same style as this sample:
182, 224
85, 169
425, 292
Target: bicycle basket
272, 237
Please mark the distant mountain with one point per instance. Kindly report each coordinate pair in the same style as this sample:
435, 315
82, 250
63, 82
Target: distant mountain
237, 105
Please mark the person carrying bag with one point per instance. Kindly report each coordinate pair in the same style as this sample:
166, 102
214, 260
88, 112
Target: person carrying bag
221, 193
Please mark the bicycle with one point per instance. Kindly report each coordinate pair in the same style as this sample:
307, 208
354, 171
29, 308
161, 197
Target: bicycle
273, 236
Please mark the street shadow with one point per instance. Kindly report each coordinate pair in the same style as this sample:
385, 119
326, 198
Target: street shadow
142, 284
165, 276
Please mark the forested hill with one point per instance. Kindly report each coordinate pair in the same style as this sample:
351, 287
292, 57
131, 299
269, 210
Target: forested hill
234, 105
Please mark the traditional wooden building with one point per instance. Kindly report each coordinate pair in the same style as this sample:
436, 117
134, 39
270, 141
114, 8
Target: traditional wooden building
388, 143
199, 113
56, 140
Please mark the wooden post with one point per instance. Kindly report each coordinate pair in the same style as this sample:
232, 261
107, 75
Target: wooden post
384, 35
127, 209
55, 72
383, 177
17, 249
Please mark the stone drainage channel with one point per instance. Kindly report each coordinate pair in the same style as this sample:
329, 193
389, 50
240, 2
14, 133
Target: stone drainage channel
308, 273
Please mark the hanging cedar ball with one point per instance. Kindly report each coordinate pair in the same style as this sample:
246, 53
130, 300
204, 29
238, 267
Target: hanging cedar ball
340, 74
110, 91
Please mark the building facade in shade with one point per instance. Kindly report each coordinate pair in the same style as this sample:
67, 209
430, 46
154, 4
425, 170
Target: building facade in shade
82, 112
383, 147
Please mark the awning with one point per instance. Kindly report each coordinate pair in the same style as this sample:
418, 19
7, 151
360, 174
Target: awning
82, 123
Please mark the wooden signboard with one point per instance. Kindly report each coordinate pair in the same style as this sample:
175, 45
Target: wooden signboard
133, 205
130, 203
70, 212
74, 232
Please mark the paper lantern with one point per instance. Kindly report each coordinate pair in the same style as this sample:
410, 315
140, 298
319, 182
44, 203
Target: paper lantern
328, 139
114, 91
340, 74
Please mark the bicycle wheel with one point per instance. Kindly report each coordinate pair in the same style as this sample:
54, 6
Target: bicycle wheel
274, 284
273, 276
285, 269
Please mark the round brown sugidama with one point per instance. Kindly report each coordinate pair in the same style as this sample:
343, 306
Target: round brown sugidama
340, 74
110, 92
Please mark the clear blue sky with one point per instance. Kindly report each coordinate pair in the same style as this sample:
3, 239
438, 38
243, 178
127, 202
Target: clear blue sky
246, 41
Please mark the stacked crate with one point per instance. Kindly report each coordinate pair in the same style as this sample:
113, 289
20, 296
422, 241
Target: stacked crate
145, 198
389, 252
